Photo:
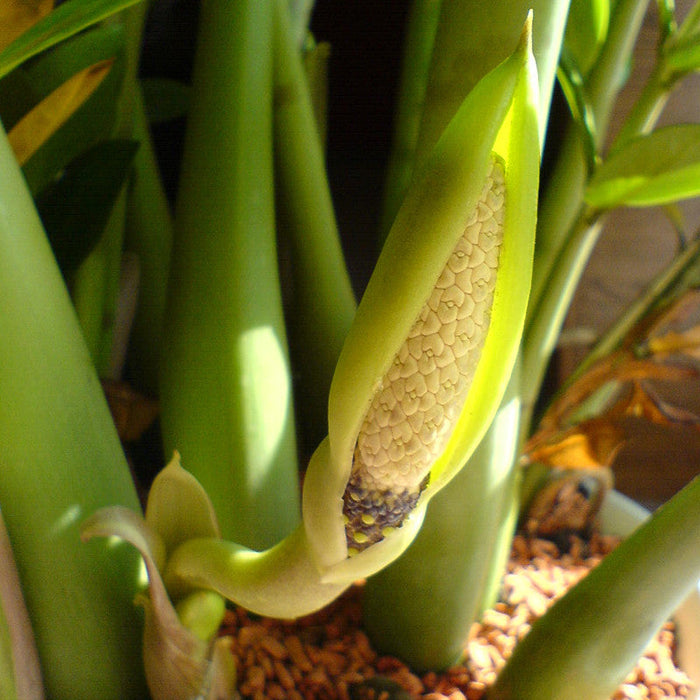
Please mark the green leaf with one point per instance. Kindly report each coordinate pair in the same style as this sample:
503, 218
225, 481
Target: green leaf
94, 120
658, 168
66, 20
178, 507
586, 30
179, 664
682, 49
165, 99
684, 56
75, 208
17, 97
568, 653
16, 16
40, 123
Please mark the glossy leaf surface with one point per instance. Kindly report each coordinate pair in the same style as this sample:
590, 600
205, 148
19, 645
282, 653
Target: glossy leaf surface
658, 168
68, 19
586, 30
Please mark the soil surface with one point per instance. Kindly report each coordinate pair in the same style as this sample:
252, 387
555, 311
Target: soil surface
327, 656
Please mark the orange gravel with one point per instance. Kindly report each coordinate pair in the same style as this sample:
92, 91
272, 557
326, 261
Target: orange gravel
327, 656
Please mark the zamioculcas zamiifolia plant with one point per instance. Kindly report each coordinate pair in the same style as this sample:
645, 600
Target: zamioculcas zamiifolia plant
416, 405
468, 220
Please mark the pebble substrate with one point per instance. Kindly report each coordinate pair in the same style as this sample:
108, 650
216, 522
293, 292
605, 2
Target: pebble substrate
327, 656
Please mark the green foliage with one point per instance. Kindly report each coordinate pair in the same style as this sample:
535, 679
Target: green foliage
65, 21
253, 190
586, 30
75, 208
94, 119
658, 168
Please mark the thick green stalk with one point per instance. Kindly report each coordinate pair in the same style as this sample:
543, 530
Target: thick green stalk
562, 247
475, 533
61, 460
225, 381
542, 332
149, 233
322, 305
95, 288
300, 14
466, 531
471, 39
418, 49
568, 653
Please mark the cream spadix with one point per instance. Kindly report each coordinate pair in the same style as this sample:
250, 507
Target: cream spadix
436, 334
424, 367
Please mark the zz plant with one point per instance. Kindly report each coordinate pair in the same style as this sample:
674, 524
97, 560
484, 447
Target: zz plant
419, 399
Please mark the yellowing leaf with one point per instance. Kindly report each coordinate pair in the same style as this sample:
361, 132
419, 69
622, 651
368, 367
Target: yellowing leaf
16, 16
37, 126
591, 445
645, 404
676, 330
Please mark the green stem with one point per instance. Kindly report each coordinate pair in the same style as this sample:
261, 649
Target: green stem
149, 233
465, 525
418, 48
300, 14
322, 305
95, 287
226, 395
542, 333
568, 653
647, 107
316, 58
61, 461
465, 536
566, 230
282, 581
665, 283
562, 200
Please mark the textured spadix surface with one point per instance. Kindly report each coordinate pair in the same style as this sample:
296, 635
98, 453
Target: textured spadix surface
424, 320
436, 334
413, 413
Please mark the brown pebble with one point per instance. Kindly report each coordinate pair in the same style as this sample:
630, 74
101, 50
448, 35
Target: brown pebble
322, 656
297, 653
274, 647
283, 675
